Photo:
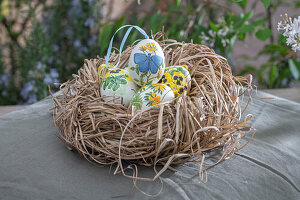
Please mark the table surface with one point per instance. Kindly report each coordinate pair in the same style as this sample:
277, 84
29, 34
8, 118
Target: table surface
292, 94
35, 164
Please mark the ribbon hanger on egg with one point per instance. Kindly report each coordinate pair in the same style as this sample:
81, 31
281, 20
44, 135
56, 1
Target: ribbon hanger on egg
122, 43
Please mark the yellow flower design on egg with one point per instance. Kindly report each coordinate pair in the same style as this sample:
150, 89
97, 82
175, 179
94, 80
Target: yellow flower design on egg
155, 99
160, 72
141, 48
107, 75
159, 87
167, 77
179, 78
128, 77
148, 46
176, 93
176, 81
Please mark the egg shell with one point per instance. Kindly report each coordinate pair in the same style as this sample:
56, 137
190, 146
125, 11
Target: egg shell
126, 69
177, 78
119, 83
146, 62
151, 95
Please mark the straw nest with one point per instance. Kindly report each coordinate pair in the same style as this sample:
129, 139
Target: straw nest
207, 117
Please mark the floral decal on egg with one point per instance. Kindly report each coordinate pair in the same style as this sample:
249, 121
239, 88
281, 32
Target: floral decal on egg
149, 46
177, 78
114, 82
158, 88
151, 97
137, 101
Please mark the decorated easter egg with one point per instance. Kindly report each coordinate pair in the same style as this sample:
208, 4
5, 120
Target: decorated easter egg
151, 95
177, 78
118, 87
146, 62
126, 69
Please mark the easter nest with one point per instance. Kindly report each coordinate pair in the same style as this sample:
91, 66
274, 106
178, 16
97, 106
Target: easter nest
205, 118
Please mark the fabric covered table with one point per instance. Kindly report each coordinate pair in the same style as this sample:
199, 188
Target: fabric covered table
35, 164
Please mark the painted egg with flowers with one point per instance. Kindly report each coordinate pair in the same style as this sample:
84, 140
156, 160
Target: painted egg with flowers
177, 78
146, 62
151, 95
118, 87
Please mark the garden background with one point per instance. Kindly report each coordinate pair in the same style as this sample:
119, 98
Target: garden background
43, 42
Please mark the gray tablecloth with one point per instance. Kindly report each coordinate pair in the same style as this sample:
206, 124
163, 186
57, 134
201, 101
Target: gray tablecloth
34, 163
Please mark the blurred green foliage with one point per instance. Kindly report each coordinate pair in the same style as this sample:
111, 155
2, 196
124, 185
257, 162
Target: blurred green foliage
64, 33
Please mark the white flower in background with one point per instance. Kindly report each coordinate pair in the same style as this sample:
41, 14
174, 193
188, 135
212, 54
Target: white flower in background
223, 31
206, 39
212, 33
291, 30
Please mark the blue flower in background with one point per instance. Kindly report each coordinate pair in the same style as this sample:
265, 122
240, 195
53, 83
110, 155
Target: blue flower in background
77, 43
100, 12
52, 77
69, 31
32, 99
27, 89
55, 80
83, 49
88, 1
29, 86
4, 79
75, 3
55, 47
28, 93
47, 79
54, 73
50, 60
89, 22
92, 40
74, 11
39, 65
284, 81
4, 93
